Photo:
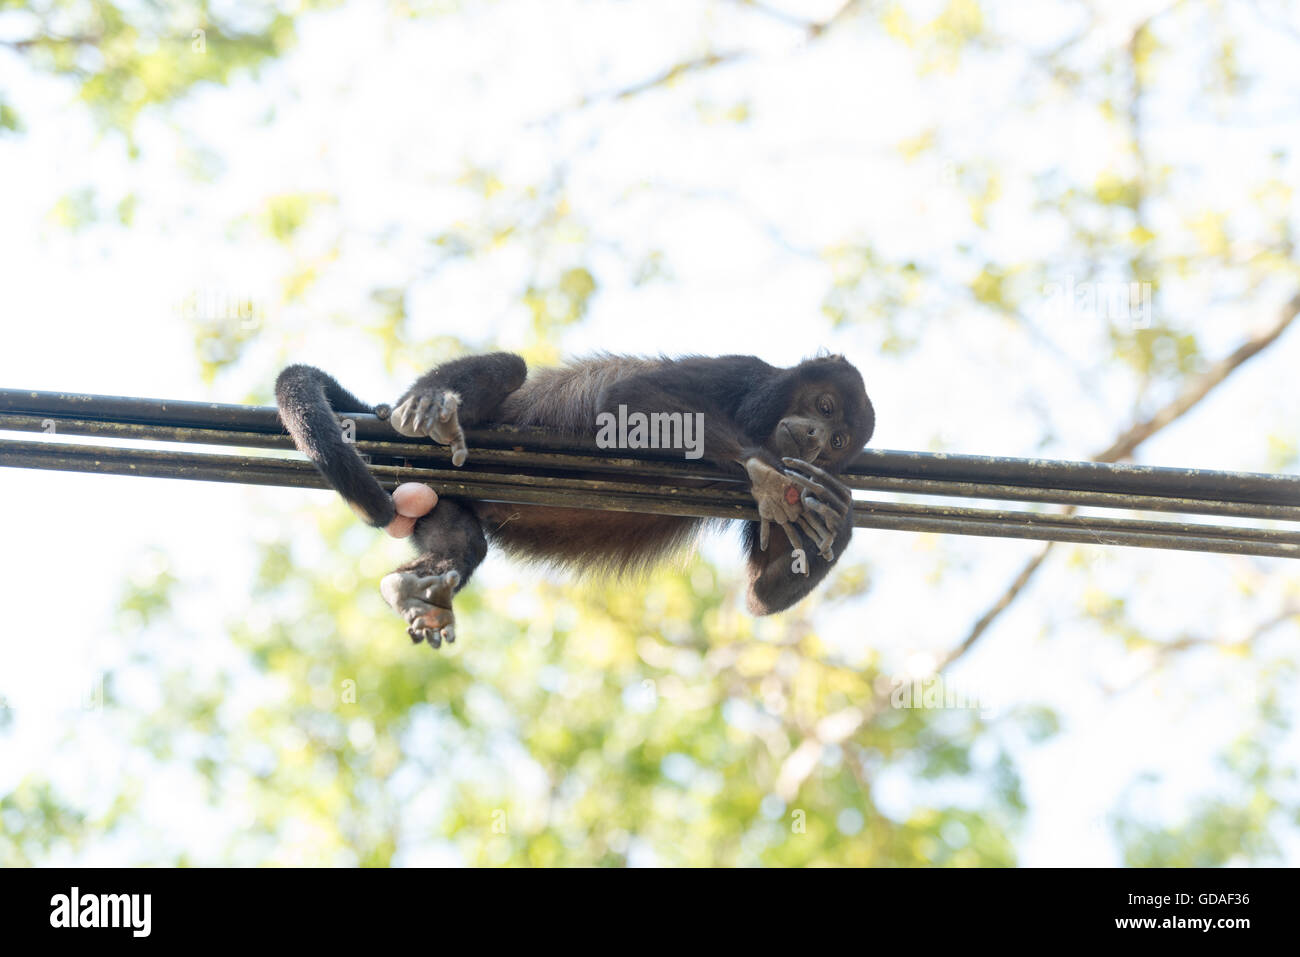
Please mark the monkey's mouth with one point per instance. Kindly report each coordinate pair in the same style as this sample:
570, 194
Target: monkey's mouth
795, 448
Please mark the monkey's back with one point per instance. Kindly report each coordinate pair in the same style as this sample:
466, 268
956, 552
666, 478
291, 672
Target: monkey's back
566, 399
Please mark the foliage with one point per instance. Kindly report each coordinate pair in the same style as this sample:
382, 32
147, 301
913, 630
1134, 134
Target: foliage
650, 721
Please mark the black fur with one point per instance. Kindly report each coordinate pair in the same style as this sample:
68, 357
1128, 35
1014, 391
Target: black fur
480, 381
745, 402
309, 399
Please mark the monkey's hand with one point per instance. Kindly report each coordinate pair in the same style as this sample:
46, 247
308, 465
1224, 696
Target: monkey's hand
433, 414
425, 604
827, 504
816, 502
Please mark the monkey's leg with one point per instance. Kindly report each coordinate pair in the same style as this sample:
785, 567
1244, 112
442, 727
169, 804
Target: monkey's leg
458, 394
452, 545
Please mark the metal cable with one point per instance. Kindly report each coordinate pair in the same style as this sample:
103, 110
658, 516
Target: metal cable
530, 466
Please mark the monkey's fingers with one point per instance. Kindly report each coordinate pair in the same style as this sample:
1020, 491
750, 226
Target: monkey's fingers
444, 427
790, 533
817, 529
764, 532
810, 484
420, 414
823, 511
435, 626
822, 539
824, 485
459, 450
438, 589
822, 535
807, 491
403, 418
838, 489
448, 404
817, 472
814, 536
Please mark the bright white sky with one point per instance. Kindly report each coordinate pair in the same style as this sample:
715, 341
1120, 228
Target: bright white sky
387, 114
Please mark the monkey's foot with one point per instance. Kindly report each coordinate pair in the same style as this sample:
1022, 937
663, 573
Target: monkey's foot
424, 603
433, 414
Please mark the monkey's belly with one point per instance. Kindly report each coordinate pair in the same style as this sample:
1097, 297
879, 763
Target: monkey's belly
585, 539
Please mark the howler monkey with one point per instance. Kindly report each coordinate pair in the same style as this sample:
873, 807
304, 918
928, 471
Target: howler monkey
787, 429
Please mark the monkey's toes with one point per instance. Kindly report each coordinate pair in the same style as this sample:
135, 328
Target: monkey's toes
405, 418
424, 602
434, 626
442, 424
438, 589
433, 415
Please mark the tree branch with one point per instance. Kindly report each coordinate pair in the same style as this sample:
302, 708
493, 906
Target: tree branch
1127, 443
811, 30
838, 727
1139, 432
1189, 642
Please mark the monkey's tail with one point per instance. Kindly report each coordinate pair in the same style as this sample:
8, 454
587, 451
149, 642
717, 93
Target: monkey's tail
309, 399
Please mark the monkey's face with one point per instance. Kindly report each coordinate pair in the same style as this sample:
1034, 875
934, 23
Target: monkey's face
819, 426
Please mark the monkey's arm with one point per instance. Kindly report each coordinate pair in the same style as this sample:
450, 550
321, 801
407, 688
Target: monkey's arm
480, 382
459, 394
776, 581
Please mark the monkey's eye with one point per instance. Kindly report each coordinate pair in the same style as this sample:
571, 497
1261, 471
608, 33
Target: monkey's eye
826, 406
837, 441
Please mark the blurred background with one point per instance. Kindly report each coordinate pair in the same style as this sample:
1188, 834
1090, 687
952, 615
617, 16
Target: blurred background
1038, 229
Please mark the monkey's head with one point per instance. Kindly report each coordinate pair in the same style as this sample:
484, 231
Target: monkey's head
817, 411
